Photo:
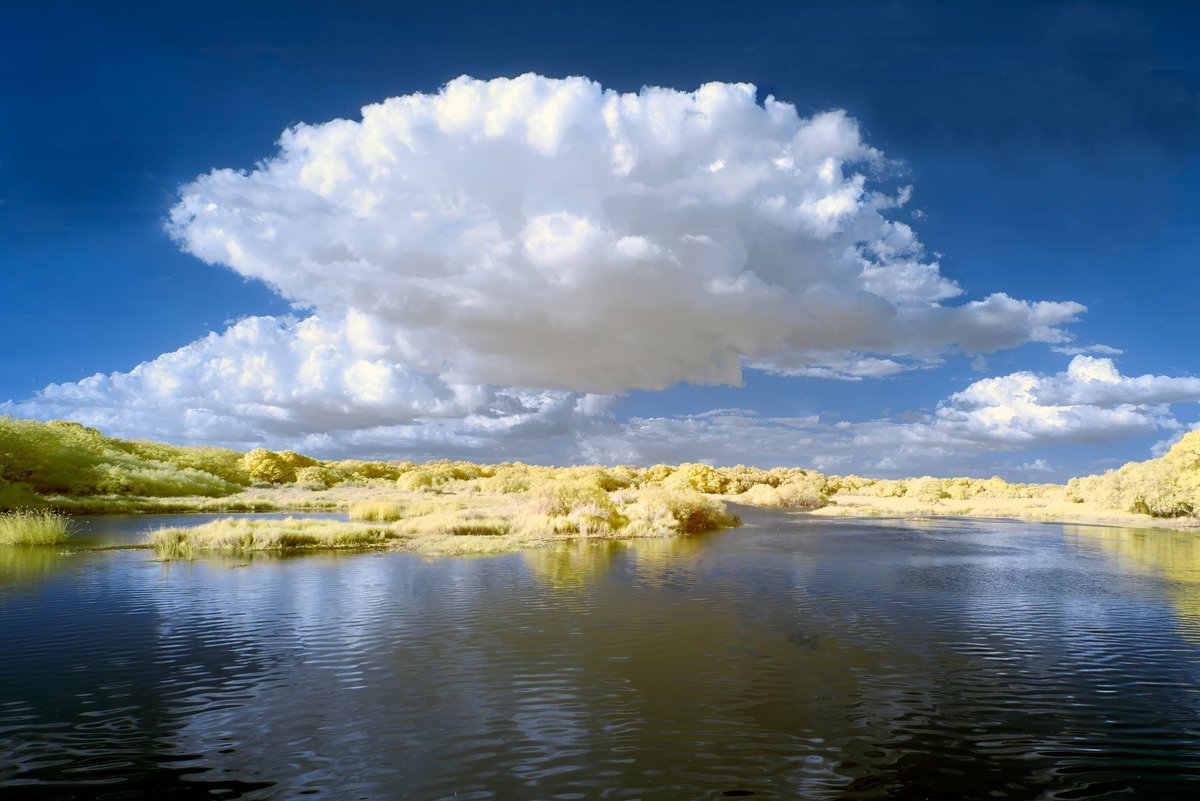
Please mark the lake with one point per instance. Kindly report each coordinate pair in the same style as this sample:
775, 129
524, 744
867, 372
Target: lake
791, 658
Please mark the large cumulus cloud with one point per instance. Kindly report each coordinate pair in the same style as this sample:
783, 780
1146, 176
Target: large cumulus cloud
552, 233
477, 272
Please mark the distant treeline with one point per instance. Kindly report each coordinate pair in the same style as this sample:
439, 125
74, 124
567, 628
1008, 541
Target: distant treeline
39, 461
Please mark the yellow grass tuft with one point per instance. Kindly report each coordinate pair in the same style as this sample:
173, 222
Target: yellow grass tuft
34, 527
376, 511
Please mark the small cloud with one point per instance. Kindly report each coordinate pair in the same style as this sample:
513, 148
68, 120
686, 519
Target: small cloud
1077, 350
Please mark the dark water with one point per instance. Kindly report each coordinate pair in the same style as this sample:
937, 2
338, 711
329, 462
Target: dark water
789, 659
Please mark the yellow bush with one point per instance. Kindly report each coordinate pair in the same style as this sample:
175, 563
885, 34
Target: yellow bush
662, 510
699, 477
658, 473
738, 479
561, 498
889, 489
804, 492
763, 495
926, 488
849, 484
807, 492
416, 480
264, 465
317, 476
505, 482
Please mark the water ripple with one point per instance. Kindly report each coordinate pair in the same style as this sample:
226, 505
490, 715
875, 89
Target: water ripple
788, 659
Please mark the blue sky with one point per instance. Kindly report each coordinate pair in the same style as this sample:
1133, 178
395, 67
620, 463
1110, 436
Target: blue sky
1051, 150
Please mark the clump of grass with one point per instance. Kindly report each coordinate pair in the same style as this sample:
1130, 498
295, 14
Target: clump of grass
457, 523
376, 511
231, 534
34, 527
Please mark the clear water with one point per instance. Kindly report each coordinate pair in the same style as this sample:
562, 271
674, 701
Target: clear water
787, 659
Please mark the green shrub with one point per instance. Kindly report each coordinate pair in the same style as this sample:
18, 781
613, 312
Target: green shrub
68, 458
17, 496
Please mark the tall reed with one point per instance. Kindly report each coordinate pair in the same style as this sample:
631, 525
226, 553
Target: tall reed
34, 527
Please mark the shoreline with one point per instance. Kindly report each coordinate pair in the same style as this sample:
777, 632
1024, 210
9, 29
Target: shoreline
283, 500
868, 507
440, 523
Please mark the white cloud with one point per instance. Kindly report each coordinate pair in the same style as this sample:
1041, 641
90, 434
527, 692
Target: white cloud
1089, 402
550, 233
319, 386
1097, 382
454, 248
1076, 350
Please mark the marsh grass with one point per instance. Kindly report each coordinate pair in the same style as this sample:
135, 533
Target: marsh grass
34, 527
1036, 509
253, 500
465, 523
242, 535
377, 511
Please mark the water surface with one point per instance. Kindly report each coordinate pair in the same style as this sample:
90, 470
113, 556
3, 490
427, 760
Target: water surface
791, 658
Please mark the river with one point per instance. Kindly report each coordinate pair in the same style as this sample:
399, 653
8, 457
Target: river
793, 658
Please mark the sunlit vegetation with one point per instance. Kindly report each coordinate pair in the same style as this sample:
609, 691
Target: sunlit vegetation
572, 507
376, 511
447, 506
61, 458
803, 492
34, 527
1166, 487
234, 534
